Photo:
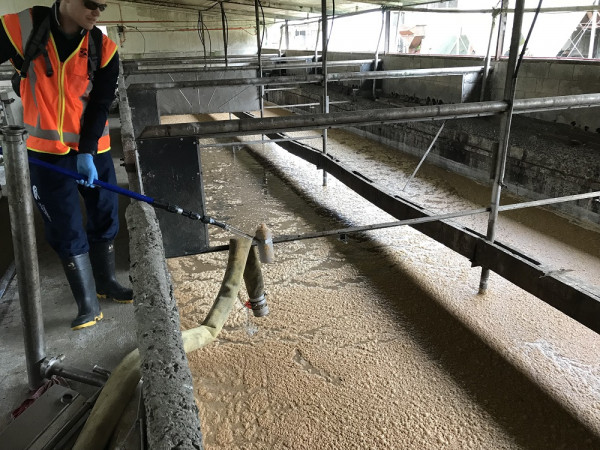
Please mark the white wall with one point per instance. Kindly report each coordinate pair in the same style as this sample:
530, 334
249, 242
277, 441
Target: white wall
152, 31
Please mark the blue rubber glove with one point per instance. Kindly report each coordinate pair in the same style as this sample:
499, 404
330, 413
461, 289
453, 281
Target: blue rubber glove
86, 167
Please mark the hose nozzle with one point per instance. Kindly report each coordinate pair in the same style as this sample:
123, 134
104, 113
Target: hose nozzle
264, 236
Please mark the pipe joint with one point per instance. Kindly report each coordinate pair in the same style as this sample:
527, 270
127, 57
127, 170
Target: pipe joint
13, 133
259, 305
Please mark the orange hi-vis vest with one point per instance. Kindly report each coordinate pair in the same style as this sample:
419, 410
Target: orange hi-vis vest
53, 107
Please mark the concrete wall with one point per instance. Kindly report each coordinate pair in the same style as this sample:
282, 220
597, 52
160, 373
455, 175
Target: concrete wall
537, 78
549, 78
151, 31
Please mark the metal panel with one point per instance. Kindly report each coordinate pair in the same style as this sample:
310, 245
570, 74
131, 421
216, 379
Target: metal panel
171, 171
202, 99
144, 110
48, 419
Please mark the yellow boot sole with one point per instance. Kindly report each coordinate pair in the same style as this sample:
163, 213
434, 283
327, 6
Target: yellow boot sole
90, 323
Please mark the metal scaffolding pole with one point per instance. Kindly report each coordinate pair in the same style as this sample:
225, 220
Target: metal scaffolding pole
20, 208
509, 97
193, 68
369, 117
488, 55
501, 29
376, 61
424, 156
261, 100
309, 78
224, 23
325, 42
591, 48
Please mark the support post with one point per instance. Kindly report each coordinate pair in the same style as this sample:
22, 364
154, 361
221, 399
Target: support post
324, 66
593, 35
261, 89
376, 61
501, 30
388, 32
225, 43
287, 36
20, 206
486, 65
509, 98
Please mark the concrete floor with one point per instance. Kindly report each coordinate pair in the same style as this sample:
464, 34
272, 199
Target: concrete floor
104, 344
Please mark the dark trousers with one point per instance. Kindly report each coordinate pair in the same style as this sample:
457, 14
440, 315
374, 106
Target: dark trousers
58, 199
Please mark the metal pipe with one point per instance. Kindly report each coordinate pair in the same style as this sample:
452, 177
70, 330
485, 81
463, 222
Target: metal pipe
225, 43
54, 366
488, 55
261, 100
416, 221
509, 97
553, 9
592, 35
370, 117
214, 60
388, 32
262, 141
309, 78
317, 42
23, 234
307, 104
325, 43
424, 156
287, 36
175, 67
501, 30
376, 61
427, 219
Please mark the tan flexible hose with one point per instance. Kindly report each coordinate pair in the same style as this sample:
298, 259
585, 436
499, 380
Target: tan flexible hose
216, 317
121, 385
115, 395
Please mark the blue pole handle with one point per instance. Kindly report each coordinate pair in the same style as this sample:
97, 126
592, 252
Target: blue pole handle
102, 184
119, 190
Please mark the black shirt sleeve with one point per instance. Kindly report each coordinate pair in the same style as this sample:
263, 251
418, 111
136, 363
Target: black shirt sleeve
7, 51
96, 113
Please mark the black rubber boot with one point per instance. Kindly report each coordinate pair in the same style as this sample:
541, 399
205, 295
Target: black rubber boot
79, 275
102, 256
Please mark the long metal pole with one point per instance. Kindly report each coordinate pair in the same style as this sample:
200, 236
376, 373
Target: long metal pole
509, 97
369, 117
324, 69
501, 30
225, 32
261, 91
424, 156
488, 55
376, 61
593, 35
20, 207
287, 37
314, 78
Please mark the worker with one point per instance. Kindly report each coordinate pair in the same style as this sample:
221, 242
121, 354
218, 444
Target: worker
67, 90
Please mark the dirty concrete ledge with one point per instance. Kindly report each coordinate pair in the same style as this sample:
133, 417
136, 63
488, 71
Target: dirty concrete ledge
171, 411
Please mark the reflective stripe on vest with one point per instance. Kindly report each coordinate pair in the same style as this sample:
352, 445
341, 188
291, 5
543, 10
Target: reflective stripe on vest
53, 107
